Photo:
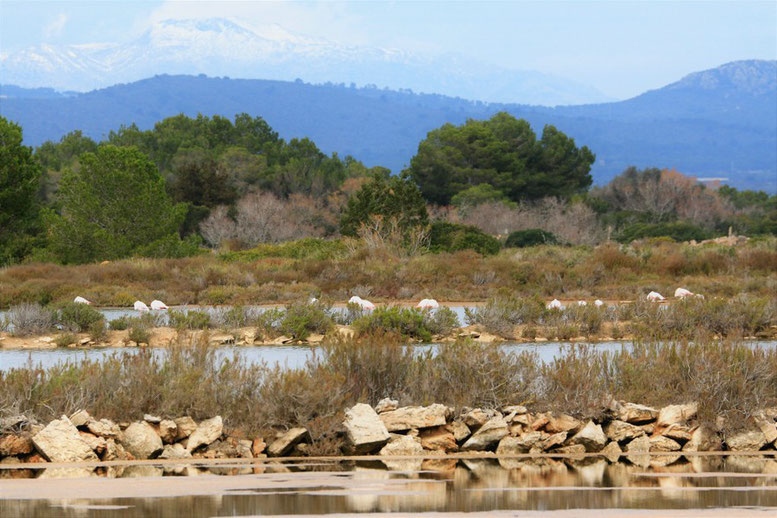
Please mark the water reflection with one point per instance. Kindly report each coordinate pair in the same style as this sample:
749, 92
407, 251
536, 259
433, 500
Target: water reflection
444, 484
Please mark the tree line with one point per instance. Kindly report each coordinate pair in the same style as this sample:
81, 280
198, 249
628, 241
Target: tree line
190, 182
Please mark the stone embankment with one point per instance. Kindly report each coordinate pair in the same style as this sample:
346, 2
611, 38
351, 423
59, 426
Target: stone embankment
389, 431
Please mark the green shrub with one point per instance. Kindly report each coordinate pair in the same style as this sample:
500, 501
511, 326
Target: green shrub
77, 317
307, 248
678, 231
189, 319
269, 321
98, 331
301, 319
452, 237
500, 315
405, 322
441, 321
139, 333
65, 339
530, 237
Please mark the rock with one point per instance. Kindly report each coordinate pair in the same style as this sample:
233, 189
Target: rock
703, 439
576, 451
555, 440
539, 421
438, 439
386, 405
168, 431
409, 417
175, 451
14, 445
207, 432
80, 418
401, 445
678, 432
522, 419
476, 418
591, 436
636, 414
59, 441
115, 451
284, 443
152, 419
746, 440
186, 426
638, 450
662, 443
514, 409
364, 429
676, 414
487, 435
562, 423
103, 428
768, 428
141, 440
622, 431
258, 446
96, 443
518, 445
612, 452
459, 430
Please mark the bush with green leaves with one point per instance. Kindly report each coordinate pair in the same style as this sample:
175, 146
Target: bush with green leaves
452, 237
191, 319
301, 319
77, 317
501, 314
678, 231
406, 322
530, 237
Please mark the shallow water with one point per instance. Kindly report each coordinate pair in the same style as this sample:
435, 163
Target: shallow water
410, 486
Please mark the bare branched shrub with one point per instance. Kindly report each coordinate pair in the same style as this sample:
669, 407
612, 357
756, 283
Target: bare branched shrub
385, 235
573, 223
29, 319
261, 217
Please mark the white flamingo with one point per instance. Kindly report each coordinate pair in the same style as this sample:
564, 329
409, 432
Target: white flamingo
681, 293
654, 296
555, 304
598, 303
140, 306
582, 303
428, 304
365, 305
81, 300
157, 304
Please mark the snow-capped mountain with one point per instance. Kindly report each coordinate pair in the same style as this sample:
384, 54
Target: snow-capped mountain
220, 47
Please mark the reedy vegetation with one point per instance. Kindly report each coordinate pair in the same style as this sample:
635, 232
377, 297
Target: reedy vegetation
728, 379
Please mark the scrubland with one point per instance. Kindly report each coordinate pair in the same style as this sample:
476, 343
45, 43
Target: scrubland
337, 269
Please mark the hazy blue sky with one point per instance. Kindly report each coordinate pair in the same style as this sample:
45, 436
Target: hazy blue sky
622, 48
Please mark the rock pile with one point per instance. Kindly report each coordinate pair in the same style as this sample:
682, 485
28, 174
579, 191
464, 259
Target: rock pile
649, 436
635, 429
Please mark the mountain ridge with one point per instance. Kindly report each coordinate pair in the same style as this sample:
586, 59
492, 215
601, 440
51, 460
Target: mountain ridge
222, 47
728, 130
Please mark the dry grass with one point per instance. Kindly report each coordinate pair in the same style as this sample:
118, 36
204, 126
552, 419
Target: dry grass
606, 272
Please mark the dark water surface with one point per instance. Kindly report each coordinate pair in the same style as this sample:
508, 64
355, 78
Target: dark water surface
411, 486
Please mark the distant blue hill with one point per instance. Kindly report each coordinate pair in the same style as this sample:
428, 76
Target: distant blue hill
716, 123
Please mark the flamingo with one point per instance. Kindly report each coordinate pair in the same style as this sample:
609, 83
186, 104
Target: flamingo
363, 304
428, 304
81, 300
582, 303
157, 304
681, 293
654, 296
555, 304
140, 306
598, 303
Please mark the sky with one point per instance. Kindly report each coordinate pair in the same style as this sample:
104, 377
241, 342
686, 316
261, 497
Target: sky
621, 48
